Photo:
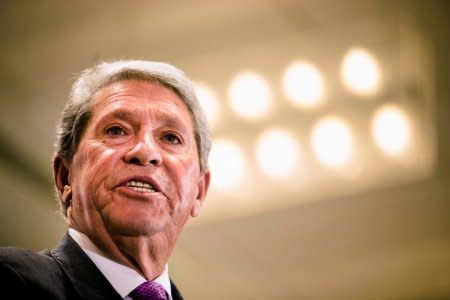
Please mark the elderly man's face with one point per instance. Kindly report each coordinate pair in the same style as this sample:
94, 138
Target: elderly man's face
136, 171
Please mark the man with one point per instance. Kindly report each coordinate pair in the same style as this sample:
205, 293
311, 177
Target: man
130, 168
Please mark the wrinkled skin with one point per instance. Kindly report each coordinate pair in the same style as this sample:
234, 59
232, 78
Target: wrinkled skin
139, 131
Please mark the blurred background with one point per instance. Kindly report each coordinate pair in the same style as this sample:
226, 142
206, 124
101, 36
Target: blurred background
331, 160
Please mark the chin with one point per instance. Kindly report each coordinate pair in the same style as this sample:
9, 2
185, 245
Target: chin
137, 226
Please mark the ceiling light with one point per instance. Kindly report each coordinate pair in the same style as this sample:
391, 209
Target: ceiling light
332, 141
303, 85
250, 96
391, 129
227, 164
360, 72
277, 152
208, 101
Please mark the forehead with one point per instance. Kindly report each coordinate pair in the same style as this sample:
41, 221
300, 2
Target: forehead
137, 97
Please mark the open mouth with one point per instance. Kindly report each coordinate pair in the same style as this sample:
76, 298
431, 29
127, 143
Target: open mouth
140, 186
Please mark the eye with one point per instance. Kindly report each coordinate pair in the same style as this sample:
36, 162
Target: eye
172, 138
115, 131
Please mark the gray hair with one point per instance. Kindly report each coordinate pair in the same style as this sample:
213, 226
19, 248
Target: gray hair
78, 109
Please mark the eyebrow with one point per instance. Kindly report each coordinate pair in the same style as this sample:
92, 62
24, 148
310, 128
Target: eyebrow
116, 114
170, 121
119, 114
167, 118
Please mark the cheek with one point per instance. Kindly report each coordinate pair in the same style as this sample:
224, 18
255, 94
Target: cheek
185, 174
97, 154
93, 167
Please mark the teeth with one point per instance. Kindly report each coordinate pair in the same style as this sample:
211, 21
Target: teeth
140, 186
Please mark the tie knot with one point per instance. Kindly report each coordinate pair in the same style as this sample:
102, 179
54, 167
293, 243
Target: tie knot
149, 290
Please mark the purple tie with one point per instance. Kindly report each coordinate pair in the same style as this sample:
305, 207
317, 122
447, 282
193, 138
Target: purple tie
149, 290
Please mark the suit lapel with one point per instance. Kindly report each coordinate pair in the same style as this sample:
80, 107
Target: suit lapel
176, 295
87, 279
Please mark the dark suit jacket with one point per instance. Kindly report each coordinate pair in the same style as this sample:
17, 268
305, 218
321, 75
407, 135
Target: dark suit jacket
63, 273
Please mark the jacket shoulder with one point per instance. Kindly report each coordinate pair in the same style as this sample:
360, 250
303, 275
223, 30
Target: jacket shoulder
19, 257
30, 274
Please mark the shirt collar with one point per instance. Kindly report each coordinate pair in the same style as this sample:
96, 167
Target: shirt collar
121, 277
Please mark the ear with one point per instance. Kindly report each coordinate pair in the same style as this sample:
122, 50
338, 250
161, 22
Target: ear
203, 185
61, 177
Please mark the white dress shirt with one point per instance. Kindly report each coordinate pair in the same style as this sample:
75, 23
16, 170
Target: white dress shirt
121, 277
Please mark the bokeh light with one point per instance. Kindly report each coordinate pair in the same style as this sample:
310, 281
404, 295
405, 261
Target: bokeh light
360, 72
277, 153
250, 95
332, 141
303, 85
227, 164
208, 101
391, 129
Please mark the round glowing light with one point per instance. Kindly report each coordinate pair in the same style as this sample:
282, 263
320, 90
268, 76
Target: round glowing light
227, 164
250, 96
303, 85
277, 152
332, 142
391, 129
208, 101
360, 72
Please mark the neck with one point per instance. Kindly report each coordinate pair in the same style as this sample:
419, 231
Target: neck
148, 255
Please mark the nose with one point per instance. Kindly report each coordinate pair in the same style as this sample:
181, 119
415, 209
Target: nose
144, 151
